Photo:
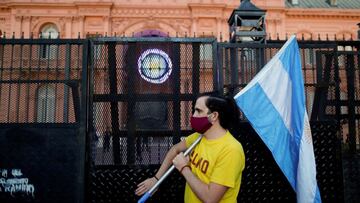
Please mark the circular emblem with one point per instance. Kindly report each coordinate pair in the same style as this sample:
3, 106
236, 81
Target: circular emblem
154, 66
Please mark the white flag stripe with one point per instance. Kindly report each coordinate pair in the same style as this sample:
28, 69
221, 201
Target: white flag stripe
264, 70
306, 176
279, 96
256, 79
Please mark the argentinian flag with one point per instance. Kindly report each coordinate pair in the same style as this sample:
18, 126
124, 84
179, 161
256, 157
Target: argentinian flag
274, 104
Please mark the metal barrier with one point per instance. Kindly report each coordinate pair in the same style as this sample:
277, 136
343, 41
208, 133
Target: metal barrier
131, 98
262, 179
43, 116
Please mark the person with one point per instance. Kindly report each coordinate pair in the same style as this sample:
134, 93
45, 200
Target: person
213, 170
94, 138
107, 135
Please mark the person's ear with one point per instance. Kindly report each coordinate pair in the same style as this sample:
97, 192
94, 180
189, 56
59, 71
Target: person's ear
214, 116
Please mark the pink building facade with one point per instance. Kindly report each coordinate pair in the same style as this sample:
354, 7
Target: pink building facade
73, 19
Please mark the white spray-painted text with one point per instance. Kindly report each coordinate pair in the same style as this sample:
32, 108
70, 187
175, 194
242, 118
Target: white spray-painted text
12, 182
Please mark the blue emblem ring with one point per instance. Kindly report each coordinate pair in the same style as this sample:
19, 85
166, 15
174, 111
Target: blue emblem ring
154, 66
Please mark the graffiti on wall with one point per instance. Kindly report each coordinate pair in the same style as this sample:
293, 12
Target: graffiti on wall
13, 182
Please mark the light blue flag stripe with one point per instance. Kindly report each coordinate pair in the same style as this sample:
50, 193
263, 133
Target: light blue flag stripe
263, 123
274, 103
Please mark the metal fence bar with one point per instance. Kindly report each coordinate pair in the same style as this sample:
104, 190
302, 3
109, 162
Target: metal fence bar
350, 72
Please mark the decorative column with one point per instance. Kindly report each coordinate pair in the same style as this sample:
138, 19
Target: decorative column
17, 27
194, 25
280, 25
80, 23
26, 26
106, 25
218, 27
271, 26
68, 27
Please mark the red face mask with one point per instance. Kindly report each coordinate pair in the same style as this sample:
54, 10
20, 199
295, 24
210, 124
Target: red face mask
200, 124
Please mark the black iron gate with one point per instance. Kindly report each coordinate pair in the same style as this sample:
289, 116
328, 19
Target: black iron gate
43, 120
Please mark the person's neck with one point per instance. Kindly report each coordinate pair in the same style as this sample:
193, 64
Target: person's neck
215, 132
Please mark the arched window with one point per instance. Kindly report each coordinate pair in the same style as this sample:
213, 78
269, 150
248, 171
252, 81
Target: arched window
46, 104
49, 31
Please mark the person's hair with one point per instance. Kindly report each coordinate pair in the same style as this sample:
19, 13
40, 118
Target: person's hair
229, 114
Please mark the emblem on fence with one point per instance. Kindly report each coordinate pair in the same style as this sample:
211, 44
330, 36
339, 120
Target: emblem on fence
154, 66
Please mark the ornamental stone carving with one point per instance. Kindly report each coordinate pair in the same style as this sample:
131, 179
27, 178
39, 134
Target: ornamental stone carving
61, 23
18, 18
94, 22
181, 25
27, 18
151, 24
147, 11
120, 23
79, 18
93, 11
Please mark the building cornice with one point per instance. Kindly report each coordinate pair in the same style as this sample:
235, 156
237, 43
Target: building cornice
102, 4
56, 5
348, 13
27, 5
194, 5
219, 11
275, 9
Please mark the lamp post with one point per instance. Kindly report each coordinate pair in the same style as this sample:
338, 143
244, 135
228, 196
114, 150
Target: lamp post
247, 23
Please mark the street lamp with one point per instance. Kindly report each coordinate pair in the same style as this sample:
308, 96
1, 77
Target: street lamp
247, 23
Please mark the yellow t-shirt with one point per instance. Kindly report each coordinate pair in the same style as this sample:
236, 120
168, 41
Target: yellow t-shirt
220, 161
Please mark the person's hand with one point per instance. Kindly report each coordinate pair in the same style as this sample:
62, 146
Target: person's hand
145, 186
180, 161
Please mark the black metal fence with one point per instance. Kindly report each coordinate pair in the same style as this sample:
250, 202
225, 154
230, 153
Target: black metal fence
43, 116
133, 97
331, 75
262, 179
143, 95
41, 80
207, 66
